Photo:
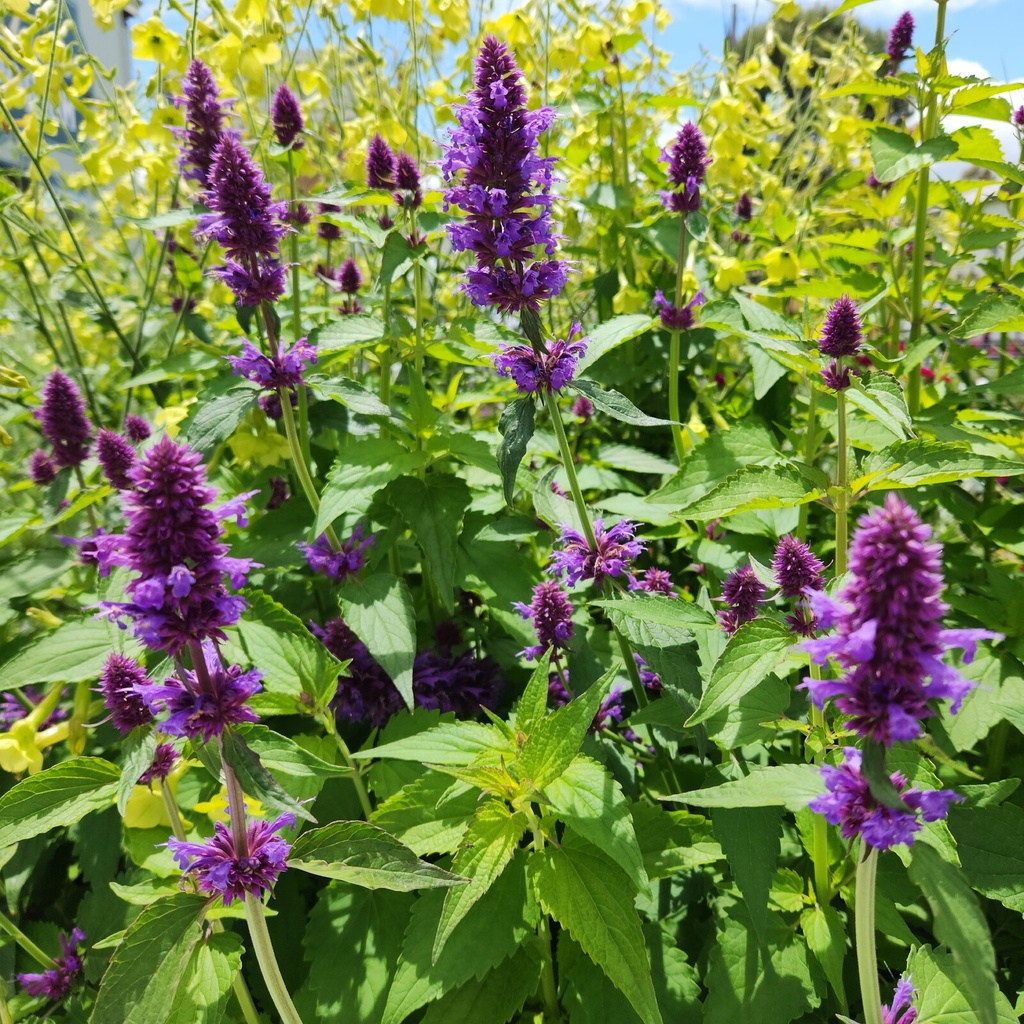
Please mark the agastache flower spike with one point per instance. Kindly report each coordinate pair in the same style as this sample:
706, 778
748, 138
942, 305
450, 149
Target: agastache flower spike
204, 122
381, 165
41, 469
542, 372
616, 550
136, 428
687, 161
232, 874
742, 592
338, 565
407, 179
494, 174
63, 420
116, 456
283, 370
551, 614
676, 319
286, 117
796, 568
889, 640
122, 683
56, 982
840, 337
901, 1000
900, 39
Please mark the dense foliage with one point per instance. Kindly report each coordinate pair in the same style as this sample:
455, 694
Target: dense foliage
494, 530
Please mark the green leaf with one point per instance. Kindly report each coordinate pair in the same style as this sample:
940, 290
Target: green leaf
516, 429
138, 747
591, 898
365, 855
350, 394
454, 743
990, 844
674, 841
292, 661
617, 406
751, 840
592, 804
255, 780
348, 332
426, 816
556, 740
360, 470
397, 258
281, 754
792, 786
881, 397
942, 996
753, 487
207, 978
57, 797
754, 651
825, 933
489, 844
533, 704
612, 333
379, 610
959, 924
658, 610
895, 154
918, 463
74, 651
996, 314
217, 418
434, 510
148, 967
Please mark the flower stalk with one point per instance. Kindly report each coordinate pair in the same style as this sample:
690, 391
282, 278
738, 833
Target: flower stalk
864, 913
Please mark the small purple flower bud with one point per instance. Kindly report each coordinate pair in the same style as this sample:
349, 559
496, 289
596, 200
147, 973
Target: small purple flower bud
63, 420
900, 39
745, 207
121, 681
349, 278
278, 493
284, 370
1018, 116
407, 179
742, 592
583, 408
551, 614
116, 456
327, 231
549, 372
298, 215
687, 161
164, 759
286, 117
56, 982
616, 550
901, 1000
647, 677
676, 319
381, 165
41, 469
338, 565
136, 428
654, 581
836, 376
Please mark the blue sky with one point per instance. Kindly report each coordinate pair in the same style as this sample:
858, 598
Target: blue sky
987, 33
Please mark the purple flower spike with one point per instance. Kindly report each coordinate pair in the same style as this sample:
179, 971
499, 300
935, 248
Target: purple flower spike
56, 982
647, 677
63, 420
654, 581
136, 428
41, 469
202, 703
551, 614
841, 333
172, 540
407, 179
494, 174
616, 550
901, 1000
328, 231
676, 319
204, 122
796, 568
349, 277
850, 804
549, 372
122, 684
164, 759
900, 39
1018, 116
889, 639
286, 117
745, 207
116, 456
246, 223
583, 408
284, 370
836, 376
687, 160
338, 565
381, 165
742, 592
234, 874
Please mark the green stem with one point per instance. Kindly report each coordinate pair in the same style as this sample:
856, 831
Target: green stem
297, 318
810, 439
673, 353
548, 986
256, 919
822, 874
385, 362
357, 773
842, 487
7, 925
570, 470
864, 912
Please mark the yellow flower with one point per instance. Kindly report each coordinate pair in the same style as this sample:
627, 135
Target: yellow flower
786, 10
216, 808
781, 265
631, 300
22, 747
799, 65
728, 143
153, 40
260, 447
730, 274
727, 111
104, 11
170, 418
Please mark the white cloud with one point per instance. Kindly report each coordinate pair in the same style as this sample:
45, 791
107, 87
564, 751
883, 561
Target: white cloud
877, 10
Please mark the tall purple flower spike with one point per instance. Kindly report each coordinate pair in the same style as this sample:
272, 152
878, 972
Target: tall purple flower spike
204, 122
283, 370
286, 117
889, 640
544, 373
63, 420
116, 456
381, 165
122, 683
900, 39
232, 874
687, 159
742, 593
550, 611
495, 175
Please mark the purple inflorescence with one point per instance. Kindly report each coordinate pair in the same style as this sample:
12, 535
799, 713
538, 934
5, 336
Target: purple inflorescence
888, 638
648, 677
494, 174
842, 332
286, 117
122, 684
63, 420
202, 702
234, 874
338, 565
616, 550
381, 165
349, 277
172, 540
687, 159
407, 181
41, 468
1018, 116
164, 759
742, 593
551, 614
654, 581
850, 804
675, 319
13, 710
55, 982
796, 568
900, 39
745, 207
116, 456
136, 428
547, 372
583, 408
282, 370
246, 223
901, 1000
204, 122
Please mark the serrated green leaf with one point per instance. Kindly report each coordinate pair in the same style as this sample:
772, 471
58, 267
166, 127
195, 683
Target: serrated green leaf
990, 844
825, 933
427, 816
591, 803
138, 747
488, 846
612, 333
995, 314
959, 924
753, 487
350, 394
881, 397
281, 754
434, 510
74, 651
919, 463
617, 406
379, 610
657, 610
365, 855
516, 428
57, 797
895, 154
217, 417
533, 704
457, 743
751, 840
348, 332
674, 841
397, 258
556, 740
254, 778
590, 897
942, 997
792, 786
753, 652
147, 970
207, 980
